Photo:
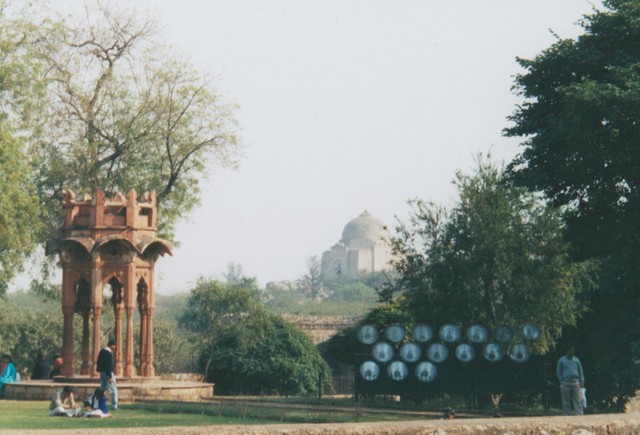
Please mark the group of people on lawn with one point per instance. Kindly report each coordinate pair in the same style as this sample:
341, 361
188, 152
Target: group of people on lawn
63, 401
9, 374
63, 404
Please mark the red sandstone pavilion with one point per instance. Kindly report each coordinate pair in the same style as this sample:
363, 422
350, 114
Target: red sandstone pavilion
109, 242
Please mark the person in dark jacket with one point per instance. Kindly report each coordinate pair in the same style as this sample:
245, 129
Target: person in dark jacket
40, 368
105, 368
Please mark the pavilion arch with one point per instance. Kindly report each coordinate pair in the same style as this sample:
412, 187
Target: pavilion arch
85, 242
75, 249
114, 248
155, 249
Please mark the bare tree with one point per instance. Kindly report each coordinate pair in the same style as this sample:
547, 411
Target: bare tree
311, 282
118, 110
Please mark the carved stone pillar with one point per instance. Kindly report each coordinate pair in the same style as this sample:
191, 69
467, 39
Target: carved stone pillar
67, 341
143, 342
117, 299
96, 310
129, 369
97, 317
85, 369
143, 307
68, 310
150, 370
152, 305
118, 336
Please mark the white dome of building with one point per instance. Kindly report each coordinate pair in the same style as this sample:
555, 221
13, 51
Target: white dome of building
363, 249
364, 227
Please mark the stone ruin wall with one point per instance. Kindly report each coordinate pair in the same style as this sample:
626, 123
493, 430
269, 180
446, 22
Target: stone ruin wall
320, 328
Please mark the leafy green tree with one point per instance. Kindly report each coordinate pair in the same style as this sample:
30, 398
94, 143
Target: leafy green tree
118, 110
169, 308
265, 354
579, 121
18, 88
340, 296
213, 307
344, 289
581, 136
29, 326
497, 256
19, 213
246, 349
172, 349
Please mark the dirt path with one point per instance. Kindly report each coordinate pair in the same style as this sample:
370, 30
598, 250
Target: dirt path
609, 424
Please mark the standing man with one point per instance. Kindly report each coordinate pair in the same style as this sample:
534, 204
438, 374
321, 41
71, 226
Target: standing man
105, 368
571, 378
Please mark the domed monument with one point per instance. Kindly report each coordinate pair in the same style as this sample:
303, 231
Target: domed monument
364, 248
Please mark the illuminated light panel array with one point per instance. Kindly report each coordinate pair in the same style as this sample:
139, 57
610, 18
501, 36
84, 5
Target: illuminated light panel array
411, 352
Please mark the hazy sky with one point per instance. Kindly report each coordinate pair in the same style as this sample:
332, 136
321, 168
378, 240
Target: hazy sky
345, 105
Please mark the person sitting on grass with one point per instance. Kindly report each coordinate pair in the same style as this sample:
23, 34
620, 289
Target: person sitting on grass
40, 368
96, 405
63, 405
7, 372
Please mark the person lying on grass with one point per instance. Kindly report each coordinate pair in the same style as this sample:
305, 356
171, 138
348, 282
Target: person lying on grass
96, 405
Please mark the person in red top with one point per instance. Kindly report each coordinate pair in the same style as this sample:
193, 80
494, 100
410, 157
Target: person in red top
56, 370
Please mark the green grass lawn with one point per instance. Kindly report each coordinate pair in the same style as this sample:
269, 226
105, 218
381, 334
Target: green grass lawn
34, 415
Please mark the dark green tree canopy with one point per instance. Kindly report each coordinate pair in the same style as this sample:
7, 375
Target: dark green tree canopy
581, 128
246, 349
497, 256
580, 125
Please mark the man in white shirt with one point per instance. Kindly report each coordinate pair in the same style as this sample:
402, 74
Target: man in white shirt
62, 403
